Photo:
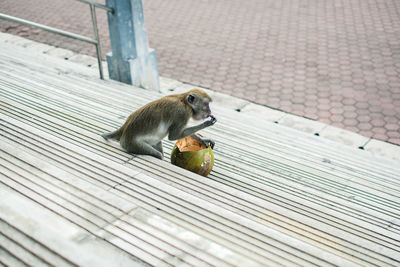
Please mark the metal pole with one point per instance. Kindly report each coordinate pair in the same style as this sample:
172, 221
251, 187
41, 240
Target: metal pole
131, 60
47, 28
90, 2
95, 41
96, 36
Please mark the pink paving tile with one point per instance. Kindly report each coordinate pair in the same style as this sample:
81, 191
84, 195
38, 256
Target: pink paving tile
346, 59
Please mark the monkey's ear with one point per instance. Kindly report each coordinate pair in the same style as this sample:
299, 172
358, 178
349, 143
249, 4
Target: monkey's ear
191, 99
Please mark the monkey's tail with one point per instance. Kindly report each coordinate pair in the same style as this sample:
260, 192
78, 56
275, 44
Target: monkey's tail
113, 135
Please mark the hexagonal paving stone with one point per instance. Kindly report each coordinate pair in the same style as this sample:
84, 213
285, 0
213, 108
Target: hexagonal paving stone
346, 59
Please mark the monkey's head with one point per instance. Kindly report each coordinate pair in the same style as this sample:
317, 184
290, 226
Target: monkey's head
199, 101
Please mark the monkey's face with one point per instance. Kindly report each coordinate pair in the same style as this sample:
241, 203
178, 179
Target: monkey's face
200, 106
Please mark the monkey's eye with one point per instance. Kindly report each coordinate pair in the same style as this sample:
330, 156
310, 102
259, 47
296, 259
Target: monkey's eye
191, 99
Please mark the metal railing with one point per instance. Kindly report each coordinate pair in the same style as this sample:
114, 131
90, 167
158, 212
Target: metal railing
95, 41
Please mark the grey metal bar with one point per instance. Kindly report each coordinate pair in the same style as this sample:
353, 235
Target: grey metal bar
47, 28
109, 9
96, 36
132, 61
95, 41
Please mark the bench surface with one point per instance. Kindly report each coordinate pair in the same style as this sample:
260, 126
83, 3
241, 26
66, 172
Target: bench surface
275, 195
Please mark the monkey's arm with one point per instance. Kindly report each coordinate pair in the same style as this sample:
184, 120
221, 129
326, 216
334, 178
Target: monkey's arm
205, 141
176, 133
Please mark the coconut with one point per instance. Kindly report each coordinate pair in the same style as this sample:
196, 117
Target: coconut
192, 155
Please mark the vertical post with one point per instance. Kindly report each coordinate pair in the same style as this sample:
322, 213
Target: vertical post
131, 60
96, 36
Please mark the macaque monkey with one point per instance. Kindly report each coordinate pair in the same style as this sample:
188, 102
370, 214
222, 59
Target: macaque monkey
143, 131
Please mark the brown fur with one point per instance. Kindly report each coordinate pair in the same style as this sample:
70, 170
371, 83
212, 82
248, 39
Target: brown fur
145, 128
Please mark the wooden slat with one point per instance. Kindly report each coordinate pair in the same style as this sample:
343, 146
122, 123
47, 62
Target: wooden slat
140, 96
275, 196
107, 228
131, 172
72, 243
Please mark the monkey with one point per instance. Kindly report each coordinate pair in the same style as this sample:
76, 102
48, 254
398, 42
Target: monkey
143, 131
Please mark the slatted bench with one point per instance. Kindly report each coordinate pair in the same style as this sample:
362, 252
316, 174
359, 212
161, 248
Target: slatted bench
276, 196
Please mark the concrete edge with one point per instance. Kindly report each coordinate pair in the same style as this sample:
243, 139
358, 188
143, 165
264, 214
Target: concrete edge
376, 147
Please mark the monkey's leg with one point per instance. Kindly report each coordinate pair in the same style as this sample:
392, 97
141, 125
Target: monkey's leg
159, 147
143, 148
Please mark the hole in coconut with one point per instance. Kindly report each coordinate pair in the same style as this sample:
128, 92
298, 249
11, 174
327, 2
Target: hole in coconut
189, 144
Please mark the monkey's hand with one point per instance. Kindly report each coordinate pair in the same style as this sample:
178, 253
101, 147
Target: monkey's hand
176, 132
209, 143
211, 121
206, 142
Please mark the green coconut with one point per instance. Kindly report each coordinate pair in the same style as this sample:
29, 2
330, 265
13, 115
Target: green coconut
190, 154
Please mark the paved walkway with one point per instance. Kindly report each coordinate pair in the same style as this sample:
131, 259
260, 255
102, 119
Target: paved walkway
337, 62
